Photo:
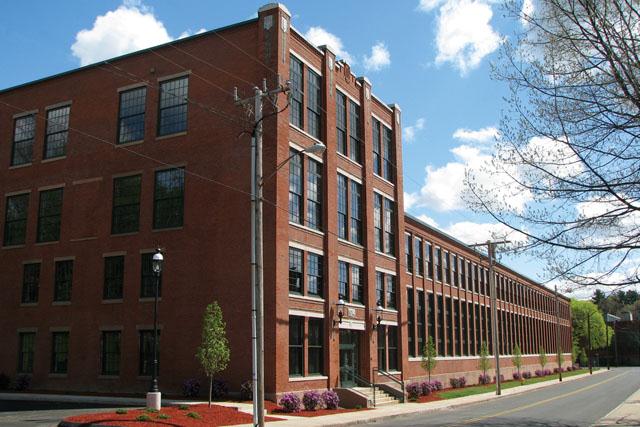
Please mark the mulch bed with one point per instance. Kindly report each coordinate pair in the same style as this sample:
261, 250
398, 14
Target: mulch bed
273, 408
431, 398
214, 416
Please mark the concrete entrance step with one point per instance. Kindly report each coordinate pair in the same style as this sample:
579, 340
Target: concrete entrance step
381, 396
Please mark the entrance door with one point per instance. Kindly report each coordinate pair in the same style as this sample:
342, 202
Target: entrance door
349, 356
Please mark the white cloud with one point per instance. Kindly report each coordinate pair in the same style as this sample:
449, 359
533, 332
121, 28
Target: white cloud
486, 134
464, 34
410, 200
526, 12
188, 33
130, 27
473, 232
409, 132
428, 220
319, 36
380, 58
429, 5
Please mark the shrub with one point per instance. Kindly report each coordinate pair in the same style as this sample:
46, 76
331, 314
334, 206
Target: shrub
558, 370
246, 390
517, 376
219, 389
484, 379
526, 375
121, 411
414, 390
290, 402
311, 400
426, 388
143, 418
330, 399
458, 382
5, 381
539, 373
23, 382
163, 416
191, 388
151, 411
437, 384
547, 371
183, 407
194, 415
501, 378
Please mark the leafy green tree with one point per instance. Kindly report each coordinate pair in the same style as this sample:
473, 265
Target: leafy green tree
598, 297
517, 360
214, 352
429, 354
542, 357
484, 363
581, 311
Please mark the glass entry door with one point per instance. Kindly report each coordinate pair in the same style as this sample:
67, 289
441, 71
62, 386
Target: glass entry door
349, 356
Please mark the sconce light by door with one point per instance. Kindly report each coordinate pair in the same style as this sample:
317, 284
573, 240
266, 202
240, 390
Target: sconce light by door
340, 305
378, 316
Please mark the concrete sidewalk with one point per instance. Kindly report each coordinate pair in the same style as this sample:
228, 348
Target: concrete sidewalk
626, 414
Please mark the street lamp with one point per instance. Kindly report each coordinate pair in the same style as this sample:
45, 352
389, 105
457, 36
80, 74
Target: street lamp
379, 310
257, 254
154, 395
589, 338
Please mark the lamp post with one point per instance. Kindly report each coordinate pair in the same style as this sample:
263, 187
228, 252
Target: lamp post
589, 338
610, 318
154, 395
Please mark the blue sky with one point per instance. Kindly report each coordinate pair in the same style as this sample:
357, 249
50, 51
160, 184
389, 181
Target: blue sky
432, 57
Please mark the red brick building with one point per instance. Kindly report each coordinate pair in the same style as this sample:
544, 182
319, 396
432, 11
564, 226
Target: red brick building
102, 164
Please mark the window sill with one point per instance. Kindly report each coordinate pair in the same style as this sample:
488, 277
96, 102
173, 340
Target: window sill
172, 135
112, 301
304, 227
309, 378
53, 159
23, 165
132, 233
129, 144
386, 255
61, 303
108, 377
53, 375
46, 243
158, 230
28, 304
13, 246
149, 299
354, 304
307, 134
349, 160
346, 242
384, 179
390, 310
306, 298
83, 239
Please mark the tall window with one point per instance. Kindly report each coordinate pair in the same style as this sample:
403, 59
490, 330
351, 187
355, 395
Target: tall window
429, 252
296, 346
30, 283
454, 269
63, 279
388, 158
126, 204
421, 319
447, 267
389, 222
59, 352
314, 274
456, 329
382, 347
295, 187
113, 277
343, 281
172, 112
419, 257
111, 353
314, 195
55, 143
49, 213
357, 284
392, 345
148, 278
341, 122
342, 207
295, 271
377, 221
168, 204
356, 213
410, 323
15, 219
448, 325
390, 288
441, 321
431, 317
314, 104
131, 115
438, 263
377, 149
145, 357
355, 136
408, 252
315, 346
379, 288
26, 349
295, 77
24, 130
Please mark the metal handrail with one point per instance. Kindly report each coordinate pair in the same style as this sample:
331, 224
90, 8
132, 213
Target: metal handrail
392, 377
360, 380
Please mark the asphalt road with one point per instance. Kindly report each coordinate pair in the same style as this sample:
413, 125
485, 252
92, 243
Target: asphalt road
24, 413
576, 403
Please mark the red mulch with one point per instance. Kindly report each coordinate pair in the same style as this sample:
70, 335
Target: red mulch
431, 398
273, 408
214, 416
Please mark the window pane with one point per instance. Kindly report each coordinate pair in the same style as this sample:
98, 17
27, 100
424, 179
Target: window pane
49, 213
59, 352
111, 353
392, 337
356, 212
377, 220
172, 114
295, 187
316, 353
377, 159
342, 207
314, 195
26, 348
390, 285
315, 274
126, 204
341, 122
63, 278
57, 132
382, 348
343, 281
168, 209
357, 285
314, 104
355, 137
30, 283
296, 346
388, 166
148, 279
145, 356
295, 77
113, 277
389, 224
23, 133
15, 224
295, 270
131, 117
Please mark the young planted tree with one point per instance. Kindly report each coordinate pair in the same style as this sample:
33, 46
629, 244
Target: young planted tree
484, 363
429, 354
517, 361
214, 352
542, 357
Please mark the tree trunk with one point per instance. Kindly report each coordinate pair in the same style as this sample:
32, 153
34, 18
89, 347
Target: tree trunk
210, 388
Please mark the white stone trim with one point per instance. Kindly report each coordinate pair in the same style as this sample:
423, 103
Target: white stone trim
381, 120
306, 313
174, 76
350, 176
386, 271
309, 378
383, 194
306, 248
389, 322
305, 62
356, 325
350, 261
345, 93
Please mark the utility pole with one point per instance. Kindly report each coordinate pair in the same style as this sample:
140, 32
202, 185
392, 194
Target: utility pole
491, 254
558, 342
257, 287
589, 338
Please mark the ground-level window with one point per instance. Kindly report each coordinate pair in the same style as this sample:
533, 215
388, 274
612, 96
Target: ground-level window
26, 349
306, 346
316, 357
59, 352
388, 348
146, 353
296, 346
110, 353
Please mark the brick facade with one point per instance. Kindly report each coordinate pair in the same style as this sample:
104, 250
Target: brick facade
207, 253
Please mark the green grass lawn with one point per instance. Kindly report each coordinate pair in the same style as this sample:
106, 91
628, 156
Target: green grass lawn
478, 389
